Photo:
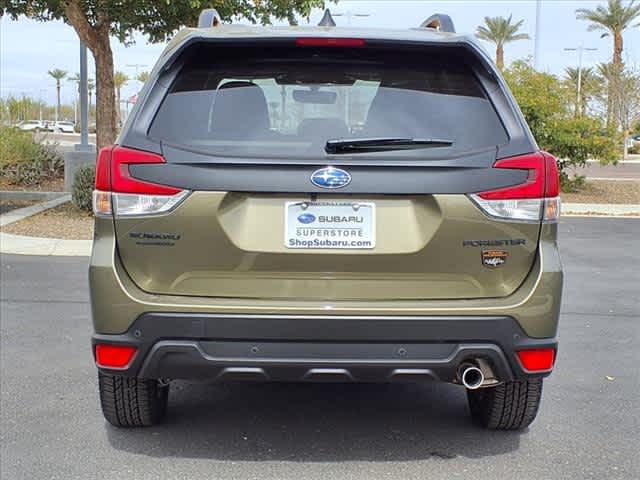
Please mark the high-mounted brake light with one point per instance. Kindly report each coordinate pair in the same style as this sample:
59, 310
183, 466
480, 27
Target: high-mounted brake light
330, 42
118, 191
537, 360
533, 200
114, 356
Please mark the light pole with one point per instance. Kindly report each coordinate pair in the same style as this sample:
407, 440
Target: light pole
536, 48
137, 66
349, 15
580, 49
40, 102
84, 146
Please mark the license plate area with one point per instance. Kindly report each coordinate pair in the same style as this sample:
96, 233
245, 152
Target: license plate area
330, 225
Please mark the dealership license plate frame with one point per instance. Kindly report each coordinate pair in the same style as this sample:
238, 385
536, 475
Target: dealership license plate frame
363, 239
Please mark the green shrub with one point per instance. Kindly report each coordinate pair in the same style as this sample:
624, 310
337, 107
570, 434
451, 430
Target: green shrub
82, 189
546, 104
26, 162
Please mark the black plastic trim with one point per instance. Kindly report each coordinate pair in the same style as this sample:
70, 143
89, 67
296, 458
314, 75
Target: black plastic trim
274, 347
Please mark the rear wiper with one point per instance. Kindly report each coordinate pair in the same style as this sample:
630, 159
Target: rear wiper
382, 144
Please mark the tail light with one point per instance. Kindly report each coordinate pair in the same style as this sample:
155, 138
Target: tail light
118, 192
114, 356
537, 360
534, 200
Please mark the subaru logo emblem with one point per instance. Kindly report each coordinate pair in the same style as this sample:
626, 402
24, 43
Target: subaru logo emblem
306, 218
330, 177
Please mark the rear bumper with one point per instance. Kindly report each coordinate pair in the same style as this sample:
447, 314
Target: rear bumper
317, 348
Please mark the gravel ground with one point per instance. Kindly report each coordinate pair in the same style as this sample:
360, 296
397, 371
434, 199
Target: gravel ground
64, 221
7, 206
602, 191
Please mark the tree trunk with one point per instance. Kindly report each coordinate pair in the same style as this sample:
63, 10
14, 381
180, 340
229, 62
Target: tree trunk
617, 49
105, 93
96, 37
500, 57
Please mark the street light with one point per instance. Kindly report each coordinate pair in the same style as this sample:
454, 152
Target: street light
536, 48
40, 102
137, 66
349, 15
580, 49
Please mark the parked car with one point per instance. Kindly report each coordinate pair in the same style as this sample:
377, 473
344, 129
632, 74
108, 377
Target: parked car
236, 243
31, 125
63, 127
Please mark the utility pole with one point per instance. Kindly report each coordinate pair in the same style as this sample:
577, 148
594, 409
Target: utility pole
536, 48
580, 49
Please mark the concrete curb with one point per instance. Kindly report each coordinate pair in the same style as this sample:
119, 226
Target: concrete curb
28, 196
22, 213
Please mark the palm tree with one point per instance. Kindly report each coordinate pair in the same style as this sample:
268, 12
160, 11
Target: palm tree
585, 83
119, 81
500, 30
58, 75
143, 77
613, 20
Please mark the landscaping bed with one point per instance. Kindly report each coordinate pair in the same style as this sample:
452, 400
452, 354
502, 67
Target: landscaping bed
48, 185
606, 191
64, 221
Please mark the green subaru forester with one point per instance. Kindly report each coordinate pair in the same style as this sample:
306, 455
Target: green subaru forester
325, 204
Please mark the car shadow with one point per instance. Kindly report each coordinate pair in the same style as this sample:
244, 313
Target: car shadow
315, 423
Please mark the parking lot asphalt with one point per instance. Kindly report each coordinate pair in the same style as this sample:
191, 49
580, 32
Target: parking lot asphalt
51, 425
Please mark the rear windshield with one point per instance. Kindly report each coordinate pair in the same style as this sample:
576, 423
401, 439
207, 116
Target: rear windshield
289, 101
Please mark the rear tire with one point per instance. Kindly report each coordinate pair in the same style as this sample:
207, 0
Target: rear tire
508, 406
132, 402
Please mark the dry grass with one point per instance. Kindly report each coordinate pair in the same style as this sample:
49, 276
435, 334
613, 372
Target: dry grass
54, 185
604, 191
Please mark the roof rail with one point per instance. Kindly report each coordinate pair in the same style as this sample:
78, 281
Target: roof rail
440, 22
209, 17
327, 20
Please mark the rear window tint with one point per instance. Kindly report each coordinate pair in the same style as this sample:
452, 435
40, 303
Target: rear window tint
288, 102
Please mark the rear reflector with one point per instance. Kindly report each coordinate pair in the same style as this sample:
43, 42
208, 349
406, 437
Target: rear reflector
118, 192
330, 42
114, 356
538, 360
533, 200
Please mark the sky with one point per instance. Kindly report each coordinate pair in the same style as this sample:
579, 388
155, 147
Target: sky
29, 48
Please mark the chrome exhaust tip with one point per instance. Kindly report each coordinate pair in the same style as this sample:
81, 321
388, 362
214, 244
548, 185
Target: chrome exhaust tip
471, 376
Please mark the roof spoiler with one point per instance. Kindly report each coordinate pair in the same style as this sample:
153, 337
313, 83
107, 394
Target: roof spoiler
209, 18
440, 22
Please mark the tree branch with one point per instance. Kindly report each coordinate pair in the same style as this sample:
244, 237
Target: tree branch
77, 18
